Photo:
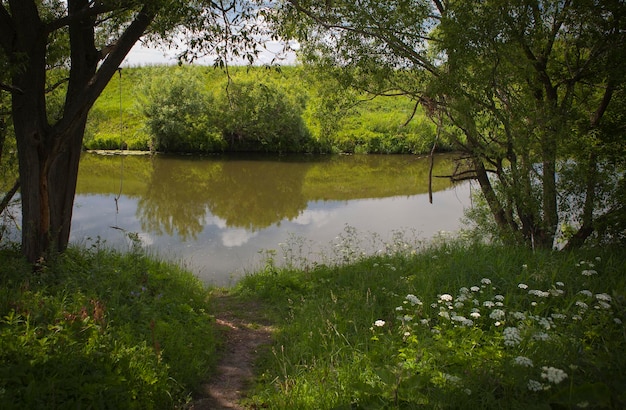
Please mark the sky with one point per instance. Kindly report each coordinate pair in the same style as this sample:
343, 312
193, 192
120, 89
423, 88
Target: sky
141, 55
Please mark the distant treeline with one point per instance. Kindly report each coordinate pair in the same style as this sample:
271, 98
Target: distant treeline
292, 109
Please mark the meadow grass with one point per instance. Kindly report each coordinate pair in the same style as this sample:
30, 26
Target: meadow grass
118, 120
448, 325
444, 324
99, 329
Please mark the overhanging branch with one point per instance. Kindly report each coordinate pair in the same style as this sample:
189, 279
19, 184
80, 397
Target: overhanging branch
11, 89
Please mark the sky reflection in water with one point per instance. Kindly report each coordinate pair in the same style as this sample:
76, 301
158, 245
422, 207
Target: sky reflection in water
220, 254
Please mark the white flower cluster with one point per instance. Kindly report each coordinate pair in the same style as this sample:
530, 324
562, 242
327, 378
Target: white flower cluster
539, 293
523, 361
553, 375
511, 336
414, 300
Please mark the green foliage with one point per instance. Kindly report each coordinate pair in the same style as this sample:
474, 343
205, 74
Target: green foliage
178, 114
116, 120
259, 116
520, 88
294, 109
97, 329
455, 325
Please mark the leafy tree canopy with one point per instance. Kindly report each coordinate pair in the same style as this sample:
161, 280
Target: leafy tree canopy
56, 57
531, 91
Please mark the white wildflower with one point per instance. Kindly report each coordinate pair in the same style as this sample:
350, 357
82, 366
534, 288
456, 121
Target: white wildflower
488, 304
522, 286
553, 375
414, 300
534, 385
399, 309
541, 336
586, 292
523, 361
557, 292
462, 320
602, 305
581, 304
379, 323
558, 316
497, 314
538, 293
604, 297
446, 297
511, 336
485, 281
475, 315
589, 272
560, 284
577, 317
499, 298
519, 315
617, 321
444, 314
474, 288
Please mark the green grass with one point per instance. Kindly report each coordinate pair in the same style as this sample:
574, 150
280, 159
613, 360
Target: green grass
449, 326
371, 126
98, 329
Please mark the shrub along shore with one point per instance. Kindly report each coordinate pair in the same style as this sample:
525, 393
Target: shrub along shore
196, 109
448, 324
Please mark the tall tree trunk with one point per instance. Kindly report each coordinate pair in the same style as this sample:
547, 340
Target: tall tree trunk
545, 239
49, 155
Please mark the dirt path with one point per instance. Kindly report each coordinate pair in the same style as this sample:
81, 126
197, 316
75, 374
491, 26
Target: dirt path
245, 330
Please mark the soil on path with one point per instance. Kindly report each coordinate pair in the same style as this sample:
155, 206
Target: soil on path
246, 330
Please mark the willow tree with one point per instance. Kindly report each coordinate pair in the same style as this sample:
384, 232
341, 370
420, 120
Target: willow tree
87, 40
531, 91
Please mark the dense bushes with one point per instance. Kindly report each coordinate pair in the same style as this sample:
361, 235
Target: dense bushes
178, 114
199, 109
261, 117
244, 115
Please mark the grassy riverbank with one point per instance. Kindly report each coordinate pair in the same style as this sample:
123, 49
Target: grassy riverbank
332, 118
454, 326
448, 325
97, 329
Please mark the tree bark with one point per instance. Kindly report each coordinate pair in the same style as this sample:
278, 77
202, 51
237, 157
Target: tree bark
49, 154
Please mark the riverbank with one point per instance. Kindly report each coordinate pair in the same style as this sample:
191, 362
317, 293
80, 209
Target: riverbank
187, 109
452, 324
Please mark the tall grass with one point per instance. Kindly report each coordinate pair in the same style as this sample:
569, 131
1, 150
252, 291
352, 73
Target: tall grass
97, 329
450, 325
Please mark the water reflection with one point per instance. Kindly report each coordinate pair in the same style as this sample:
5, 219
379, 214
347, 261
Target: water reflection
216, 213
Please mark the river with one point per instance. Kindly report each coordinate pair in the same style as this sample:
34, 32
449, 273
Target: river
221, 216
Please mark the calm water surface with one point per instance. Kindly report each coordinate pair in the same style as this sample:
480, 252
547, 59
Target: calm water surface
218, 215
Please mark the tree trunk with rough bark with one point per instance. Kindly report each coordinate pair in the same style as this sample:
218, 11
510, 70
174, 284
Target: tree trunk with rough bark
49, 154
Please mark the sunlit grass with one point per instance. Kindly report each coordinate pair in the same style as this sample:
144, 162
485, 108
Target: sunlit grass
97, 329
451, 325
377, 126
